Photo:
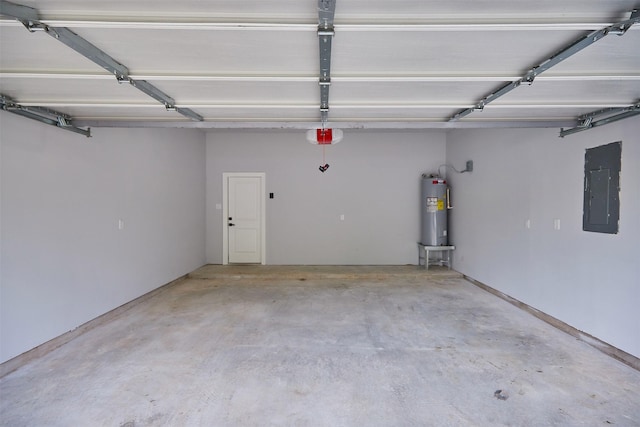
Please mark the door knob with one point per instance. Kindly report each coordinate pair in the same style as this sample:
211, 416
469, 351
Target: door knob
231, 225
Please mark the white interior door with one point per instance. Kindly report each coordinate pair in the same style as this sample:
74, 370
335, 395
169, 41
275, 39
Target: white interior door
245, 218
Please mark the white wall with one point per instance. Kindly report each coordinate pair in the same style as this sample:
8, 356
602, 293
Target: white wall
64, 261
373, 180
588, 280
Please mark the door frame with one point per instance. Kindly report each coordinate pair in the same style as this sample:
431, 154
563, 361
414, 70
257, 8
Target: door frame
225, 213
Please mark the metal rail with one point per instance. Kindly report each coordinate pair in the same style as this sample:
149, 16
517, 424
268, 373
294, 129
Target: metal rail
30, 19
326, 13
619, 29
610, 115
43, 115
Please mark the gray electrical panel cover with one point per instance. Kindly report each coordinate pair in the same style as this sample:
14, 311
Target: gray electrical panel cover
601, 210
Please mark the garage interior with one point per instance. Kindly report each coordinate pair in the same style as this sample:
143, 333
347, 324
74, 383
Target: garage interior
98, 232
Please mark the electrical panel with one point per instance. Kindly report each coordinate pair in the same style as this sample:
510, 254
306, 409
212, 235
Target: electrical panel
601, 210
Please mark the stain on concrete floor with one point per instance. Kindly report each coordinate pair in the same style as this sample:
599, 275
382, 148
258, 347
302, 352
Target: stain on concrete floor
345, 347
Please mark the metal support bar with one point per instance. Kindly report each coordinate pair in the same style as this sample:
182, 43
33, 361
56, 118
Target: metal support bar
29, 18
24, 14
326, 13
43, 115
187, 112
605, 111
154, 93
88, 50
43, 111
325, 74
163, 98
620, 28
168, 102
587, 121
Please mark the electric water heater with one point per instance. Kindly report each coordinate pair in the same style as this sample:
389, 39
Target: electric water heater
434, 208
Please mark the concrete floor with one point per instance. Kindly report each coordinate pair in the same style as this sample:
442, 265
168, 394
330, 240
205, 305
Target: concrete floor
322, 346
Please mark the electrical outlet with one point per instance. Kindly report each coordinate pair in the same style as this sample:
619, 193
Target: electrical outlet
469, 166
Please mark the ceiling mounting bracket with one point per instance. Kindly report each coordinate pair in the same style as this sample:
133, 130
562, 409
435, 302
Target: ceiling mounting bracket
619, 28
603, 116
326, 13
42, 115
26, 15
30, 19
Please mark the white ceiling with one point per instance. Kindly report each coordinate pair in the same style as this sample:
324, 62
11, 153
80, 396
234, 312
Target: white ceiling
397, 63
